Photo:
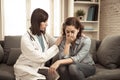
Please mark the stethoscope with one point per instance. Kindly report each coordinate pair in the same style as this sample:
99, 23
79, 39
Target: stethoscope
32, 38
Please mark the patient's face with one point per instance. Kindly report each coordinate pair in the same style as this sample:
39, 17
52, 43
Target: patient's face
71, 31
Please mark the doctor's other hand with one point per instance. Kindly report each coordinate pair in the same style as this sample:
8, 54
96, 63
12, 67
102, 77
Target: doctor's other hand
58, 41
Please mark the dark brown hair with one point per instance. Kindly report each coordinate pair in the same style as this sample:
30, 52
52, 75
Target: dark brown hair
73, 21
38, 16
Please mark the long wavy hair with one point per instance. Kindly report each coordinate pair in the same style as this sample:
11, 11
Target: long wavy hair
72, 21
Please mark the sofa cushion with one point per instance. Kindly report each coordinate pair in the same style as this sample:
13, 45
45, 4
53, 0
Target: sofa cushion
13, 55
109, 51
6, 72
10, 42
1, 53
105, 74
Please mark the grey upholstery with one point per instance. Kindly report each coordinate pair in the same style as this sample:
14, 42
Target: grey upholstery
106, 55
1, 53
10, 42
109, 52
13, 56
6, 72
12, 51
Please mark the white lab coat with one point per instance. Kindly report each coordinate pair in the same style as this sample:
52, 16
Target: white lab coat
32, 57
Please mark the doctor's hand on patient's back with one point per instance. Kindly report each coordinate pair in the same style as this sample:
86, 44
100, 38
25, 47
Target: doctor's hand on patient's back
58, 41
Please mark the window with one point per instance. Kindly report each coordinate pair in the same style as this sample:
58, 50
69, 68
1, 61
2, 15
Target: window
46, 5
17, 15
16, 19
57, 18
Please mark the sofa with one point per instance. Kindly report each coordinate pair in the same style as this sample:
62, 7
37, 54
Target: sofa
9, 52
105, 53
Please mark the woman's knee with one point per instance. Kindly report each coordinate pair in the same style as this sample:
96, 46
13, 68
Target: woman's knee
75, 73
62, 69
72, 68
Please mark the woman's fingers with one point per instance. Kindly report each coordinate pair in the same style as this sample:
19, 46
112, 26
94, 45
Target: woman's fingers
51, 71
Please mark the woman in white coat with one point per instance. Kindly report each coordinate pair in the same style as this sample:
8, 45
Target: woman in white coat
37, 48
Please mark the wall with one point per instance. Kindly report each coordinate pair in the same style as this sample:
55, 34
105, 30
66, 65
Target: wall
68, 8
1, 20
109, 18
65, 9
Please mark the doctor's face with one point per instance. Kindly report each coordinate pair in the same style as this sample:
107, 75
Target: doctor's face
43, 25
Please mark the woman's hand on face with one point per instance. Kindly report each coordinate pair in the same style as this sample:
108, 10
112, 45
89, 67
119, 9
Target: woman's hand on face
58, 41
69, 39
54, 67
